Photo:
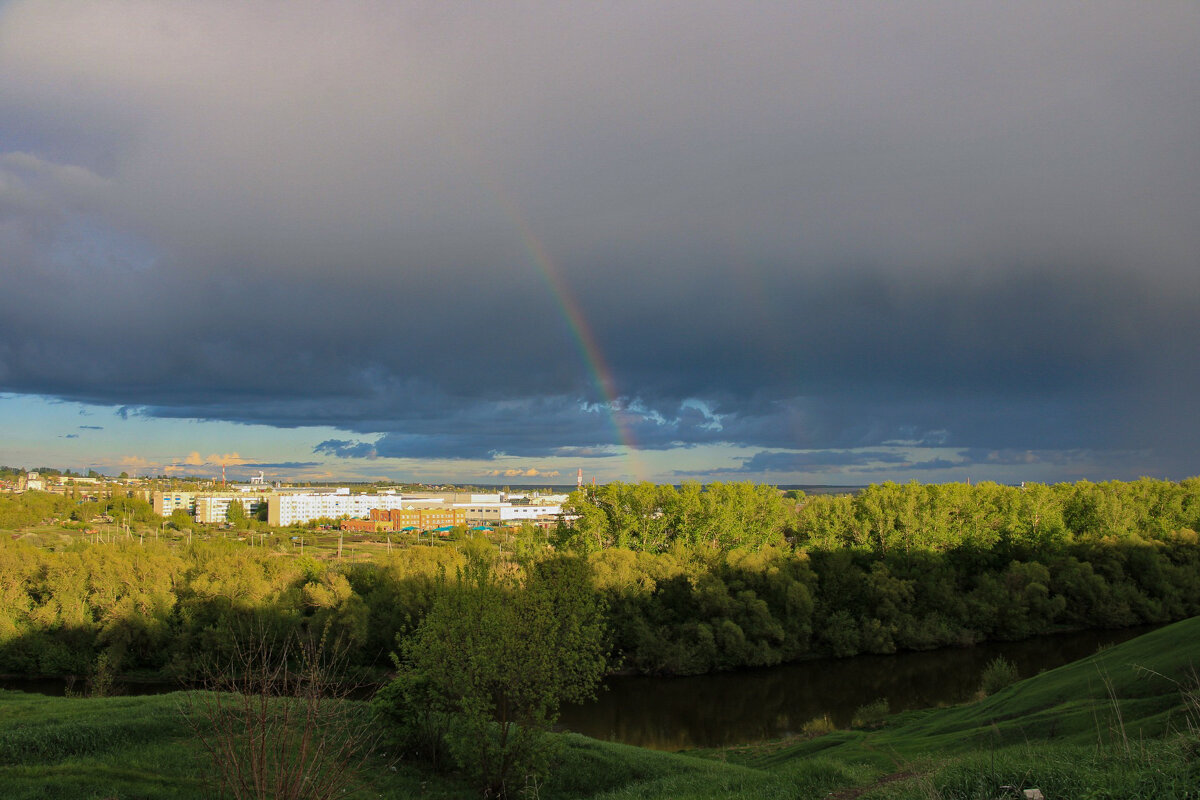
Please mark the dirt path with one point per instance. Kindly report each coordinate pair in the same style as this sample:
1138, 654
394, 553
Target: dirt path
852, 792
855, 791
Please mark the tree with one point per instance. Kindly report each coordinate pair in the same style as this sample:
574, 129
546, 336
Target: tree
235, 513
181, 519
503, 659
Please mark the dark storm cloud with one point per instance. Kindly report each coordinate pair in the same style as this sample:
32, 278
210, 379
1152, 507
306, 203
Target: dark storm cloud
804, 462
538, 429
862, 462
277, 465
790, 228
900, 461
343, 448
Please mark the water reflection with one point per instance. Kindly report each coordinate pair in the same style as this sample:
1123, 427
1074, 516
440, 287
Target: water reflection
735, 708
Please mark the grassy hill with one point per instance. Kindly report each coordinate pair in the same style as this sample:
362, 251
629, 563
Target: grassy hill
1124, 723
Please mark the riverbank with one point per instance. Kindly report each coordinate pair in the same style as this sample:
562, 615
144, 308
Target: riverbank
751, 705
1122, 723
1110, 725
748, 705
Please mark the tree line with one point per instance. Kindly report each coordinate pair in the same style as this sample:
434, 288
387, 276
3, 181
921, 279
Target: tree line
72, 509
690, 579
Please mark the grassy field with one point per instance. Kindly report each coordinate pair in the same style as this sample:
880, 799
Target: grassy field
1116, 725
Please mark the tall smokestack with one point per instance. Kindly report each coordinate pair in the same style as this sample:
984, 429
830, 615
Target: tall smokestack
579, 480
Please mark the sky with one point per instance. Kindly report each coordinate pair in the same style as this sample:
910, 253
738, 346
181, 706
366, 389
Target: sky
500, 243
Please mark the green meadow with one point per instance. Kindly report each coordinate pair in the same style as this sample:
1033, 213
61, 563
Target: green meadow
1123, 723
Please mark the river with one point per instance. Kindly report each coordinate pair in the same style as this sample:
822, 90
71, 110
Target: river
732, 708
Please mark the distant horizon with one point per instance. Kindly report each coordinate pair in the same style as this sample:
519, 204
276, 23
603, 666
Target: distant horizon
567, 487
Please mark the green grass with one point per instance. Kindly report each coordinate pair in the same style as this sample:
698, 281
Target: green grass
131, 747
1110, 726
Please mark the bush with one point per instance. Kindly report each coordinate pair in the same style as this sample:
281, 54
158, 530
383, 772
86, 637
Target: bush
275, 721
999, 673
819, 726
418, 717
872, 715
489, 666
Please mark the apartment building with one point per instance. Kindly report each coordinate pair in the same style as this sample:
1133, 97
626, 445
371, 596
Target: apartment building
167, 503
300, 507
214, 508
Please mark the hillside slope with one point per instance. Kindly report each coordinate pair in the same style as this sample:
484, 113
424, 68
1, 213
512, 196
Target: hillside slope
1115, 725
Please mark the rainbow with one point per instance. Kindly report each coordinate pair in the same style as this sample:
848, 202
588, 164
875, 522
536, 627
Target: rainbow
585, 339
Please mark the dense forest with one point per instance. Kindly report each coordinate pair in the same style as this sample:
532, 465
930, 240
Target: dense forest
692, 579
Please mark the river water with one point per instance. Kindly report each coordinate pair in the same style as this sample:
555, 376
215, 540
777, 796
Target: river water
732, 708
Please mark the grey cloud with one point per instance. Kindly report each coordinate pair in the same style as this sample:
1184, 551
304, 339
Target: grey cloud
585, 452
933, 465
91, 427
859, 462
277, 465
861, 465
840, 228
346, 449
803, 462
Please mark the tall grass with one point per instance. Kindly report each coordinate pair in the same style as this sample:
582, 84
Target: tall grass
871, 715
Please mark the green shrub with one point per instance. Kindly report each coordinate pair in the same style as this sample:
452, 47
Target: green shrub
872, 715
819, 726
999, 673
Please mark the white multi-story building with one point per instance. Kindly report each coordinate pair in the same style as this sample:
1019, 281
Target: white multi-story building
212, 508
300, 507
167, 503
